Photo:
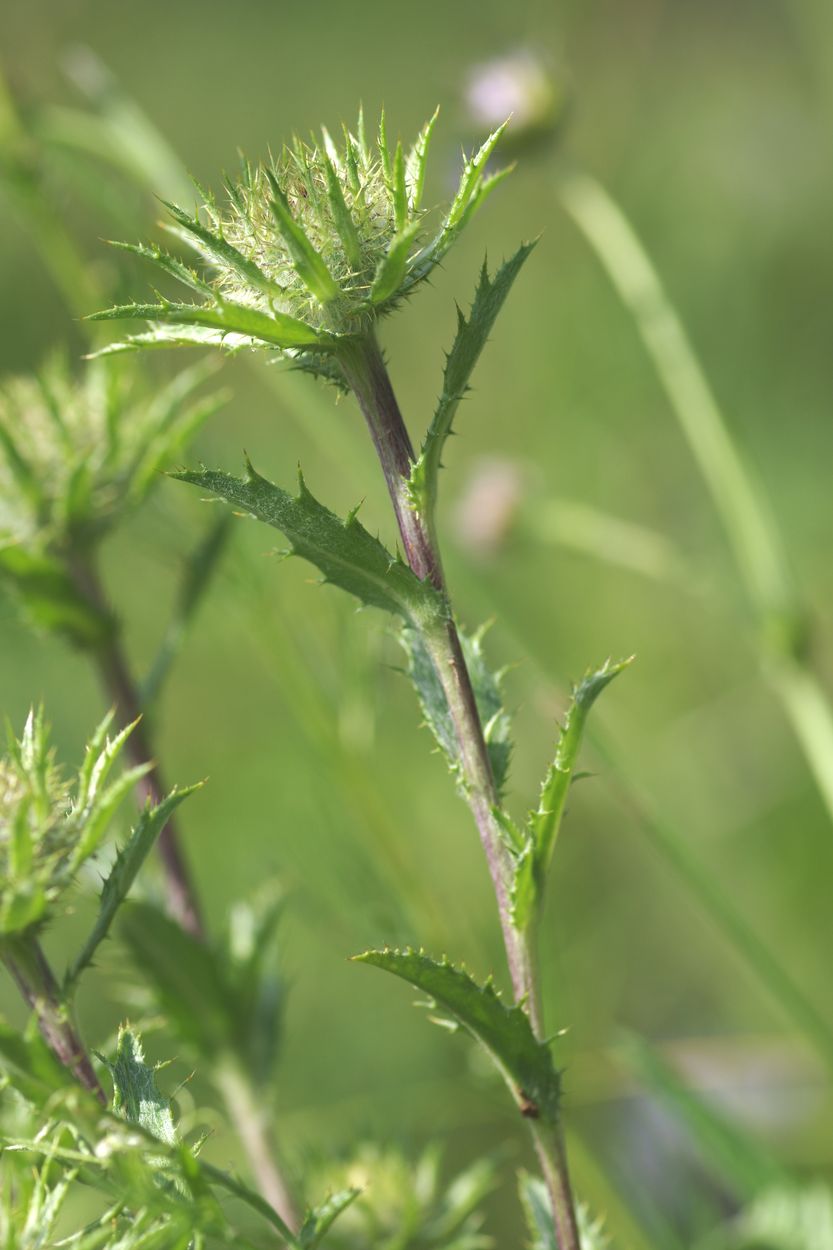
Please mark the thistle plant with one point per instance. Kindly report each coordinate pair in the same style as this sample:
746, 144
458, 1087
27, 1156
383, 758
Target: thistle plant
77, 455
310, 252
50, 826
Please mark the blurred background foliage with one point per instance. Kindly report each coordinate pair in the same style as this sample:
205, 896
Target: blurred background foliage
710, 123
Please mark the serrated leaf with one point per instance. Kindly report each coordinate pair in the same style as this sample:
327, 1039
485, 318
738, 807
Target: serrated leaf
342, 216
169, 264
543, 824
321, 1218
486, 686
525, 1063
344, 551
469, 342
123, 873
228, 317
135, 1093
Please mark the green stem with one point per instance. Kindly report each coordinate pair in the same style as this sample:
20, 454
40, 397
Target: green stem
750, 529
250, 1119
30, 970
368, 379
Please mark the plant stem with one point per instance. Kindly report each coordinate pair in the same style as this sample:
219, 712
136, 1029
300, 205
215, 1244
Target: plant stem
750, 529
249, 1117
183, 903
30, 970
366, 375
121, 690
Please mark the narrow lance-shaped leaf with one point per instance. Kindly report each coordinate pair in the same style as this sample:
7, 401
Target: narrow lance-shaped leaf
344, 551
228, 317
320, 1219
525, 1063
469, 342
415, 163
543, 824
215, 248
537, 1208
121, 876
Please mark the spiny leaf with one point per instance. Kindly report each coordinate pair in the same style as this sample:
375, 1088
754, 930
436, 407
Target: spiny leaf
321, 1218
344, 551
122, 875
460, 362
486, 686
228, 317
163, 260
135, 1093
525, 1063
214, 247
415, 163
543, 825
342, 216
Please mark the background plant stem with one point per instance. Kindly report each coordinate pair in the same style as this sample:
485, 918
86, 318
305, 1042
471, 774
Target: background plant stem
30, 970
239, 1095
749, 526
121, 690
367, 377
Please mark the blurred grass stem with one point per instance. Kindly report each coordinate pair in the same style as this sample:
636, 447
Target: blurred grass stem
750, 529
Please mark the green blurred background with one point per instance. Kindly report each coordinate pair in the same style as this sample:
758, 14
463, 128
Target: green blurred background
710, 122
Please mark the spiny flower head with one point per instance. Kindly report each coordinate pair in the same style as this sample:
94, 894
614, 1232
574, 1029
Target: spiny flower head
50, 825
309, 249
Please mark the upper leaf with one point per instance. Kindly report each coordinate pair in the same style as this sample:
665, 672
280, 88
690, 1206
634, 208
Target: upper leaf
542, 827
525, 1063
344, 551
469, 342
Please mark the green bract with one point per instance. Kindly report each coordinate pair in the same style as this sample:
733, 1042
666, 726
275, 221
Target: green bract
309, 250
49, 825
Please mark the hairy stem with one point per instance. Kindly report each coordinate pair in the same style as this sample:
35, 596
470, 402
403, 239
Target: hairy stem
366, 375
30, 970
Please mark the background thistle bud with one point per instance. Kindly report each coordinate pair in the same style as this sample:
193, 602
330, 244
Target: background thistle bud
50, 825
76, 454
309, 250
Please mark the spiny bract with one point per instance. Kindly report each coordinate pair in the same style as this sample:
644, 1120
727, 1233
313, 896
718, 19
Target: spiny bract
50, 826
309, 250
